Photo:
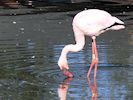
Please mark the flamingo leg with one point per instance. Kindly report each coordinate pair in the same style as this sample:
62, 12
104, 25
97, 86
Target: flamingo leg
95, 70
93, 57
94, 62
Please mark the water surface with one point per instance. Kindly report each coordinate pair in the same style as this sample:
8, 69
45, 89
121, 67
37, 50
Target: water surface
30, 45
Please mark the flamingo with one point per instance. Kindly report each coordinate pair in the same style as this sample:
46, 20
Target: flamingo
92, 23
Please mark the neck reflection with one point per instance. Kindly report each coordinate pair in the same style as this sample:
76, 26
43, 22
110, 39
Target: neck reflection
63, 88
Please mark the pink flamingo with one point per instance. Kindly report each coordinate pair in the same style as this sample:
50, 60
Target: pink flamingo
91, 23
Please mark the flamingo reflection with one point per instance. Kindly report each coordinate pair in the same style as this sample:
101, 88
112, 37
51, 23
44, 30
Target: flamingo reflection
93, 87
63, 88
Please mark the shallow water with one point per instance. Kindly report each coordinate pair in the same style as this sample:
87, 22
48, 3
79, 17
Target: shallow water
30, 45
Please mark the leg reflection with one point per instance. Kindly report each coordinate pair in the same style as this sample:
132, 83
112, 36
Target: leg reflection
93, 87
63, 88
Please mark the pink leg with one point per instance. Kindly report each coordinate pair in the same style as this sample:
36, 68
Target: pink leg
95, 70
94, 58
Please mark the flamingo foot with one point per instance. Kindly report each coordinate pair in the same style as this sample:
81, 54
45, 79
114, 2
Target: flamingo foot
67, 73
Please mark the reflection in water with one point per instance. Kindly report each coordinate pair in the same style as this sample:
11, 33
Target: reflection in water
93, 87
63, 88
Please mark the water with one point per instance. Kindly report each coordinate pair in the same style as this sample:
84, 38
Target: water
30, 45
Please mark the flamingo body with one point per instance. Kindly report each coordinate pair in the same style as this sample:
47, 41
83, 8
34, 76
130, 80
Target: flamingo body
93, 22
90, 23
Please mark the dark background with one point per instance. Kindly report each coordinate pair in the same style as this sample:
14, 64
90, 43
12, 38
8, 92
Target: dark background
36, 3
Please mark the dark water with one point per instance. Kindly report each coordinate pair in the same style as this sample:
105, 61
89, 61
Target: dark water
30, 45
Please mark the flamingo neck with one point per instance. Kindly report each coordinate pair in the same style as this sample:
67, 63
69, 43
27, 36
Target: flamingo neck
65, 52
